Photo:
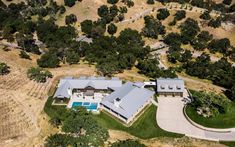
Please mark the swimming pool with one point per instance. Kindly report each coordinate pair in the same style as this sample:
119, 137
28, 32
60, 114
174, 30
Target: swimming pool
88, 105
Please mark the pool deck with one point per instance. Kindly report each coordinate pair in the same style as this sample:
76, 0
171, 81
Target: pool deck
78, 97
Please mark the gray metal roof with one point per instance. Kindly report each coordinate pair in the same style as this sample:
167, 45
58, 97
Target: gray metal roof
132, 98
170, 85
83, 82
62, 91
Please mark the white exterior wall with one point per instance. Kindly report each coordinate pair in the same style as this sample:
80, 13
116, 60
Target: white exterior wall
130, 118
114, 114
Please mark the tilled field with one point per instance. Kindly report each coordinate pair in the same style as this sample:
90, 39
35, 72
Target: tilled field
22, 121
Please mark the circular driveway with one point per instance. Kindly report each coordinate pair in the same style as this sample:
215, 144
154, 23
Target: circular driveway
170, 117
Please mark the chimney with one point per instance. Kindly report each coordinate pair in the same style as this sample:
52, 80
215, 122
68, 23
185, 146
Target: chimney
117, 102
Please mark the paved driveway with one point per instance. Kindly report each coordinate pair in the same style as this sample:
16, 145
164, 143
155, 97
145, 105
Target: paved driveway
170, 117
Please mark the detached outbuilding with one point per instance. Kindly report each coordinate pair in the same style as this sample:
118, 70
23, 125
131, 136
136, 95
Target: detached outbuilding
170, 86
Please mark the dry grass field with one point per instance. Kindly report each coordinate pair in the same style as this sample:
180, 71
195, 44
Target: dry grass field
21, 100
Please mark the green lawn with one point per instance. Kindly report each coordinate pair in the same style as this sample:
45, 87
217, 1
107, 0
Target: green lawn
221, 121
229, 143
145, 127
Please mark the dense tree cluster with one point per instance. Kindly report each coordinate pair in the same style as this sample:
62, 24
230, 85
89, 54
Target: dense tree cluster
189, 30
49, 59
4, 68
210, 104
173, 39
152, 27
51, 34
14, 27
176, 53
150, 68
127, 143
202, 40
38, 74
16, 22
116, 54
94, 29
78, 126
189, 34
215, 23
219, 45
220, 73
112, 13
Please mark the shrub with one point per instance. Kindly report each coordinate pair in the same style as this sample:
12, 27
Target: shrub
4, 69
150, 2
127, 143
24, 55
205, 15
112, 1
227, 2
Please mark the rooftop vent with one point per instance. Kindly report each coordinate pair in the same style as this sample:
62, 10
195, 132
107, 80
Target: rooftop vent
118, 99
117, 102
162, 87
178, 87
170, 87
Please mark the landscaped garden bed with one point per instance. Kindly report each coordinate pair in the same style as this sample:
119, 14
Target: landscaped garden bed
211, 110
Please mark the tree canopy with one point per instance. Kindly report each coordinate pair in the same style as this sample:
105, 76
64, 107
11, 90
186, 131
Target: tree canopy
162, 14
112, 29
152, 27
38, 74
69, 3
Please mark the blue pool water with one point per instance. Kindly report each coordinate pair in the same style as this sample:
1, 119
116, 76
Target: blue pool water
89, 106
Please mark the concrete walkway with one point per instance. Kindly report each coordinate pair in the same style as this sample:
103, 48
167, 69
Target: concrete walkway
170, 117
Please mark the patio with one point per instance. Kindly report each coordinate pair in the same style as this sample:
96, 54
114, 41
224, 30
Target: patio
80, 97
